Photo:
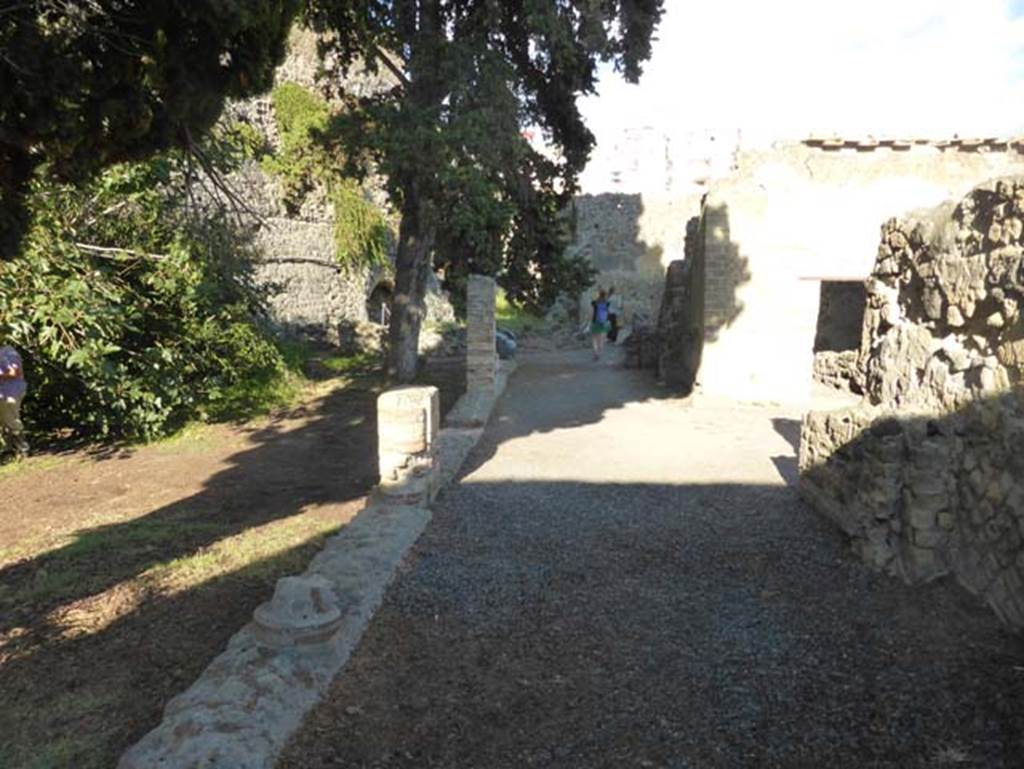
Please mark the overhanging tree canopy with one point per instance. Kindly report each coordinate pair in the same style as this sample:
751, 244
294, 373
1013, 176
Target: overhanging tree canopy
86, 83
470, 76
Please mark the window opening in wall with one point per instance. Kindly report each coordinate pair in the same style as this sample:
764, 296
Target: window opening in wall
378, 305
837, 337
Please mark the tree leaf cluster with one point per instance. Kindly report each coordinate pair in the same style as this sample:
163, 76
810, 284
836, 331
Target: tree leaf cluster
470, 79
85, 83
309, 157
88, 83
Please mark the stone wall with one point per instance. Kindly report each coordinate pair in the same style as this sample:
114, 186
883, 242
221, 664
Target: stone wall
792, 216
631, 239
680, 330
926, 475
309, 294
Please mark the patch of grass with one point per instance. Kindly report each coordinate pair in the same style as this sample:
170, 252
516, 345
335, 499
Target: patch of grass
75, 728
193, 438
348, 364
515, 319
33, 464
257, 395
258, 551
66, 570
328, 367
295, 354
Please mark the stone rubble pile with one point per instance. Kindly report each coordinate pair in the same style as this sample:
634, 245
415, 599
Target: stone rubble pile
926, 474
839, 370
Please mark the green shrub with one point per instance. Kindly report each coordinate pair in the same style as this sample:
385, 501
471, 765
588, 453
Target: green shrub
361, 233
309, 156
134, 313
301, 116
132, 299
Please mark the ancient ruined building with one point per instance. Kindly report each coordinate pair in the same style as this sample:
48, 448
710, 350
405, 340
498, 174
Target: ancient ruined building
311, 295
926, 474
770, 284
780, 247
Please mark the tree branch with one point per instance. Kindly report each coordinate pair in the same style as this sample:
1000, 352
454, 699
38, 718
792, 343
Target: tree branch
101, 252
221, 185
390, 65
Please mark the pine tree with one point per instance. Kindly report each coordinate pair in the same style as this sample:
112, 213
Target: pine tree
470, 77
87, 83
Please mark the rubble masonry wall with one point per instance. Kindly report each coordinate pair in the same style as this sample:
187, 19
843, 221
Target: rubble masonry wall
927, 474
631, 239
787, 217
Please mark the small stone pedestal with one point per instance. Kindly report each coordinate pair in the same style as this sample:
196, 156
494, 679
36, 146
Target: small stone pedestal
407, 425
481, 357
303, 613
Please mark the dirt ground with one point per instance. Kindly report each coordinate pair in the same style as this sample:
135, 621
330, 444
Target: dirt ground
124, 571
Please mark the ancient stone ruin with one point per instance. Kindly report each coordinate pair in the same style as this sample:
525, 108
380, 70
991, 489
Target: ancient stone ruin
253, 696
408, 420
784, 236
926, 474
481, 357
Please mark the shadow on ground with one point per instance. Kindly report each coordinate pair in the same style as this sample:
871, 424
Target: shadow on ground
581, 381
788, 466
97, 635
581, 625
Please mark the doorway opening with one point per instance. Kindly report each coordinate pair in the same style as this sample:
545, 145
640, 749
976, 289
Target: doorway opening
378, 304
837, 337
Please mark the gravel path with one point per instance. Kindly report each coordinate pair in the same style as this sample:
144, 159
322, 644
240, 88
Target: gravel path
622, 580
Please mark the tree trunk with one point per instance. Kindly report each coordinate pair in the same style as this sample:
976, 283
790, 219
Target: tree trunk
420, 20
412, 267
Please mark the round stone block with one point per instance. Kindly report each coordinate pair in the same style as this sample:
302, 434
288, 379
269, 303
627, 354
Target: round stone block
407, 419
304, 611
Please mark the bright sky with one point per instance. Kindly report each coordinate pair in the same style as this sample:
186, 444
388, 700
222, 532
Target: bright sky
790, 68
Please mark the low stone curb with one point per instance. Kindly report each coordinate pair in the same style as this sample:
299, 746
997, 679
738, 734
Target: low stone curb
474, 408
251, 698
465, 424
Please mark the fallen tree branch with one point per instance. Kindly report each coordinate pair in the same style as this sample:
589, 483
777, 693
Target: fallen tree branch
102, 251
220, 185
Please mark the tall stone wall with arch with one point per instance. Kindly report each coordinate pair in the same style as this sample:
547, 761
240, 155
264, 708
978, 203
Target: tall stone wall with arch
310, 295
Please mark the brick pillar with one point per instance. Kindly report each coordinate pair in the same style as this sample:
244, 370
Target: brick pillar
481, 358
719, 280
407, 425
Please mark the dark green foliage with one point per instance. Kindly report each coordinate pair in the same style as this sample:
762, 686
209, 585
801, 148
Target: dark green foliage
132, 343
470, 77
300, 161
87, 83
361, 232
84, 83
